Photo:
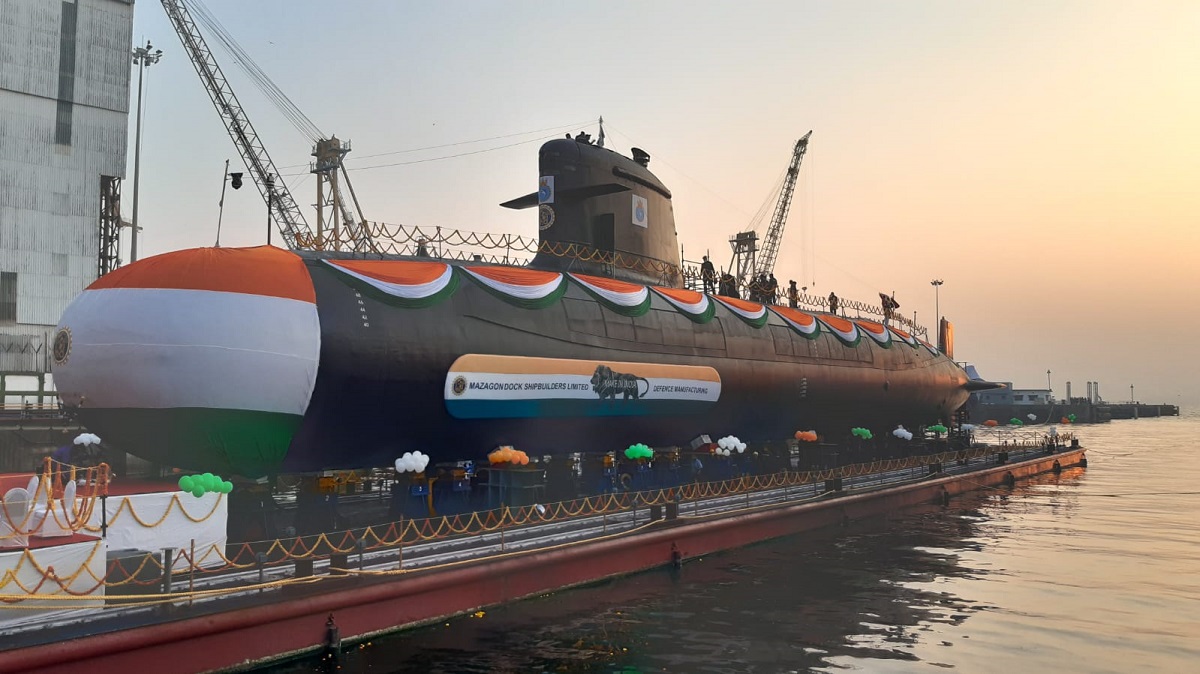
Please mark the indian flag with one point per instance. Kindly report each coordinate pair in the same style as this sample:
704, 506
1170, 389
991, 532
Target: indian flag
203, 359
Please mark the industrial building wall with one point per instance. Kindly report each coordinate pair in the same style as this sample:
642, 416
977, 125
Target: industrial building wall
64, 106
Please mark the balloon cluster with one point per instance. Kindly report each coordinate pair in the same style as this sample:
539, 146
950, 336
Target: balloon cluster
967, 428
991, 423
639, 451
1071, 417
199, 485
1015, 422
86, 439
902, 433
509, 455
938, 428
864, 433
729, 444
1031, 416
806, 436
412, 461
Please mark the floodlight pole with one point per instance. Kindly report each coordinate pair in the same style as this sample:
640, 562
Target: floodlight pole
142, 56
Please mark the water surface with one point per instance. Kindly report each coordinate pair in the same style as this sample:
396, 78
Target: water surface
1095, 570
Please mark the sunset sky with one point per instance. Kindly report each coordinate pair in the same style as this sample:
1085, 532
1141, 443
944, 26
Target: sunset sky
1042, 158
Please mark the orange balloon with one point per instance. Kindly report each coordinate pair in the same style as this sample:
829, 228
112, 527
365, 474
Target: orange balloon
991, 422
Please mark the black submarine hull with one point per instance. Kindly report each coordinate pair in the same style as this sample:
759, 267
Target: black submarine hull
380, 388
330, 373
261, 360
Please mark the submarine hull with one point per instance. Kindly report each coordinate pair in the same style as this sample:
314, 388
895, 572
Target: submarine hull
369, 360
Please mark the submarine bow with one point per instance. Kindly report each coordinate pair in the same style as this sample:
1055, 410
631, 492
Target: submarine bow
203, 358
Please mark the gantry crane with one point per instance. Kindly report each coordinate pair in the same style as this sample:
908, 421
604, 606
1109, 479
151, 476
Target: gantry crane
340, 228
746, 259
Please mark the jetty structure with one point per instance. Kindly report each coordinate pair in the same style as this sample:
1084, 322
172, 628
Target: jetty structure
1041, 406
413, 424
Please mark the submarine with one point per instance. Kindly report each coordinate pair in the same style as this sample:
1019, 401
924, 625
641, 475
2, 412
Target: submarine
257, 361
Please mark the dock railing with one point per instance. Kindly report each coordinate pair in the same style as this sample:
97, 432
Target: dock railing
294, 559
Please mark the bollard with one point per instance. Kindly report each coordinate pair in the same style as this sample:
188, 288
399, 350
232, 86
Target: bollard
656, 512
672, 510
338, 563
304, 567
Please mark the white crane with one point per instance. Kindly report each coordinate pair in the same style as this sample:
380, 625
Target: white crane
338, 226
746, 260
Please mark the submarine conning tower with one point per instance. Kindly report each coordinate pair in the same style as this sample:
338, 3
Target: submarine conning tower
602, 213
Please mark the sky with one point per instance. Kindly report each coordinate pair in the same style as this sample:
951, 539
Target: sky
1041, 158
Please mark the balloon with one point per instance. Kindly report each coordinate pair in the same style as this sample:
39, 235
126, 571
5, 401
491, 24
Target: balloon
198, 491
1071, 417
1031, 417
991, 423
741, 447
226, 487
185, 483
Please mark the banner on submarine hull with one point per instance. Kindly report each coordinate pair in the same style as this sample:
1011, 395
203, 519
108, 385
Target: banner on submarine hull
494, 387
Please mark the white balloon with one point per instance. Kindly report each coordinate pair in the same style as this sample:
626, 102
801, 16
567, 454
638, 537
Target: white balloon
1031, 417
741, 447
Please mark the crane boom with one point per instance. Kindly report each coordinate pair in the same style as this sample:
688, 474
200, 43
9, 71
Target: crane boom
770, 249
262, 170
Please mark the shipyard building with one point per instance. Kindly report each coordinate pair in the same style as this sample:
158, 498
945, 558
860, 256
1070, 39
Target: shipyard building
64, 108
65, 69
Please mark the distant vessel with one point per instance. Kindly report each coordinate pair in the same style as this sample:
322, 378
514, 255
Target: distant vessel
261, 360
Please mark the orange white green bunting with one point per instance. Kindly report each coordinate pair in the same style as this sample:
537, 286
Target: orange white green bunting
932, 349
527, 288
625, 298
407, 283
695, 305
752, 312
804, 323
843, 329
905, 337
875, 331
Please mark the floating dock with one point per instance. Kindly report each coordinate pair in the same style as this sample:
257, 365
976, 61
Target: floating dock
330, 592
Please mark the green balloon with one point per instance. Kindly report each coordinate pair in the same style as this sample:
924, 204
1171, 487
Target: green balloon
198, 491
226, 487
185, 483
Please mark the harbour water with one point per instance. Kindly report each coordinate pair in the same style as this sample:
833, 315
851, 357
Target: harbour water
1095, 570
